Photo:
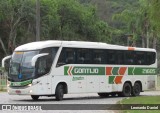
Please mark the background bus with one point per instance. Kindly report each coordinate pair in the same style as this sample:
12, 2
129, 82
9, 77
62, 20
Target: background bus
55, 68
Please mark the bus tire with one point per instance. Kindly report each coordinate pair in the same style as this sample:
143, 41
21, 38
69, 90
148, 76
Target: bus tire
35, 97
59, 92
126, 92
136, 89
102, 95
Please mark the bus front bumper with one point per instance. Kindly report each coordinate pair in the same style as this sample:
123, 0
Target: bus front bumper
20, 91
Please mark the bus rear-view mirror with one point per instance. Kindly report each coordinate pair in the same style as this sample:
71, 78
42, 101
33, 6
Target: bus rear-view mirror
4, 60
34, 59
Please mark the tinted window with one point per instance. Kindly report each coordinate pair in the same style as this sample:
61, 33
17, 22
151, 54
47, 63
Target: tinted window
102, 56
44, 63
150, 57
140, 58
111, 57
120, 57
99, 56
84, 56
67, 56
130, 58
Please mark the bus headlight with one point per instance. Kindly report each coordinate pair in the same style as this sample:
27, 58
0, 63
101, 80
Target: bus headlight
30, 91
29, 85
8, 83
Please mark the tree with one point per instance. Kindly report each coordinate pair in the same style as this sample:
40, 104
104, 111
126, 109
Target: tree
62, 20
14, 15
130, 23
70, 20
154, 19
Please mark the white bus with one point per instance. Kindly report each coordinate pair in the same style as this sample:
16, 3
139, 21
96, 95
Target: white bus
55, 68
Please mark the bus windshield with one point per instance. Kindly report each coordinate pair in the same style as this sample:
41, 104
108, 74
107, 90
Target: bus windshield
20, 66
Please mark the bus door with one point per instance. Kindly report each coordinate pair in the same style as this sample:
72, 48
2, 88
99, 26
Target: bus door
43, 68
42, 72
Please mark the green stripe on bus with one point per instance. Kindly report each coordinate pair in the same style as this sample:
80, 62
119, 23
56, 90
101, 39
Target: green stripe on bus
78, 70
24, 83
111, 79
66, 70
142, 71
130, 70
115, 71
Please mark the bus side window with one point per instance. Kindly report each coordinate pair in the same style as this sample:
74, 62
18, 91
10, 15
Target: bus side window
140, 59
129, 58
61, 60
83, 56
41, 66
44, 63
150, 58
80, 56
120, 57
98, 57
67, 56
111, 56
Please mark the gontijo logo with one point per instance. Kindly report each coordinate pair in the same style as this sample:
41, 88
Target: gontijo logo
84, 70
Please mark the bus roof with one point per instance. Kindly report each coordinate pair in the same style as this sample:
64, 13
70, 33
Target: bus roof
38, 45
76, 44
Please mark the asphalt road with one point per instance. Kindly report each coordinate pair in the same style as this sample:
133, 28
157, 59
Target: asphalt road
92, 98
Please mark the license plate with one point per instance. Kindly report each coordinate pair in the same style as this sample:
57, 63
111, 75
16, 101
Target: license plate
18, 91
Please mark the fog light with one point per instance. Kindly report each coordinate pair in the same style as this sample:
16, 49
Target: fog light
8, 83
29, 85
30, 91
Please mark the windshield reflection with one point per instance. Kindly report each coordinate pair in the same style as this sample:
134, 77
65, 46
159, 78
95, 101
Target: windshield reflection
20, 66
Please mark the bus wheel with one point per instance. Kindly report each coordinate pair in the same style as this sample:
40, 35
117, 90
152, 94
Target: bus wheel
35, 97
102, 95
59, 92
126, 90
136, 89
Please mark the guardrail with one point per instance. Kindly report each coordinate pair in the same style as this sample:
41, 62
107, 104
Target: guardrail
3, 82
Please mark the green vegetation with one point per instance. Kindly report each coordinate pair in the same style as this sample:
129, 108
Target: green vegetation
158, 82
2, 70
111, 21
60, 19
3, 86
141, 100
3, 90
3, 83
